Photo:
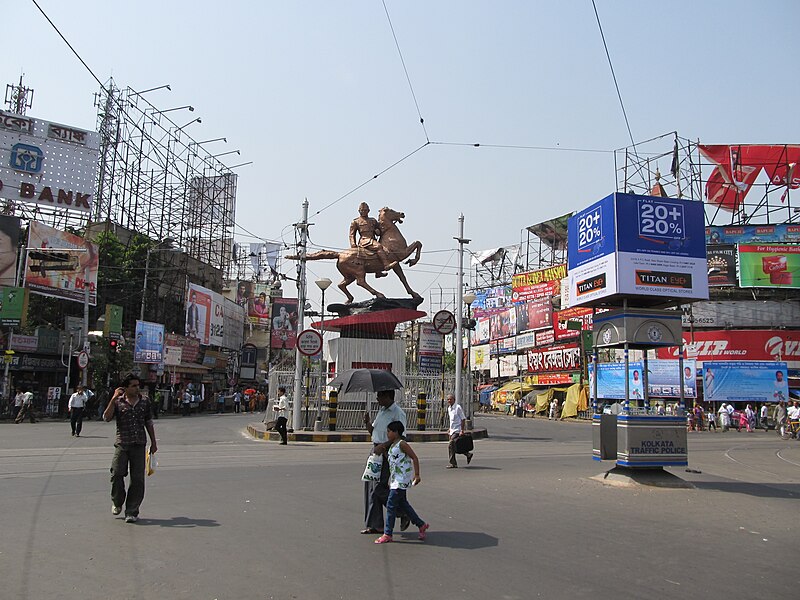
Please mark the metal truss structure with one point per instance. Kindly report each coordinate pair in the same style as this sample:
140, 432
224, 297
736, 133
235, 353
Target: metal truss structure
673, 166
154, 178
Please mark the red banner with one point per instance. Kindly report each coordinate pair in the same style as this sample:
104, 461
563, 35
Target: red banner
566, 357
739, 344
737, 167
543, 283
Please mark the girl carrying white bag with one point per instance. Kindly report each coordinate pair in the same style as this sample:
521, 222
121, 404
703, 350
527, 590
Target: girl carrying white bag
372, 472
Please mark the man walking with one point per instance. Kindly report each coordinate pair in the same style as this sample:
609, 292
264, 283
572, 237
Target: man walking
18, 399
280, 408
781, 416
458, 423
133, 415
75, 406
376, 493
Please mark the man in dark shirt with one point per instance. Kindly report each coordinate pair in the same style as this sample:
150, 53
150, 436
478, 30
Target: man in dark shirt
133, 416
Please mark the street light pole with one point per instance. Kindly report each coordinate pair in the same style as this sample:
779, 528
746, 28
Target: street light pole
301, 315
323, 284
459, 320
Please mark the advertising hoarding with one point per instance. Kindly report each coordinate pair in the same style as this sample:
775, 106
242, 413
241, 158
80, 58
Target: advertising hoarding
148, 346
538, 284
112, 328
46, 163
58, 263
769, 266
745, 381
205, 320
611, 381
13, 306
284, 323
663, 379
503, 324
258, 305
721, 261
637, 246
753, 234
563, 357
9, 247
534, 314
740, 344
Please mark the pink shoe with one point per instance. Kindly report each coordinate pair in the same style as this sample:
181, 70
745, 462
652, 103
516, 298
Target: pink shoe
384, 539
422, 529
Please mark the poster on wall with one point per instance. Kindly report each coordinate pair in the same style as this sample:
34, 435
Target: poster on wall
258, 306
745, 381
611, 381
284, 323
149, 342
769, 266
58, 264
663, 379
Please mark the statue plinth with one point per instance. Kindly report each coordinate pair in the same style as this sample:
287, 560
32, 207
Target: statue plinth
375, 319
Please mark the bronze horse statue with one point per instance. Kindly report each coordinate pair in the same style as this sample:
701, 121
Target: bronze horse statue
355, 263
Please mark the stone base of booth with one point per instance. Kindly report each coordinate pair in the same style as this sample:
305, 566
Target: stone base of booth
259, 431
639, 476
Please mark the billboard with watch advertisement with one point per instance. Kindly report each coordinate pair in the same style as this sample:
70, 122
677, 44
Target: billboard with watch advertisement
628, 245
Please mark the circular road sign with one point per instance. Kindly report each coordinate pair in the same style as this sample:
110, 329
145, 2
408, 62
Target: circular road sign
83, 360
444, 322
309, 342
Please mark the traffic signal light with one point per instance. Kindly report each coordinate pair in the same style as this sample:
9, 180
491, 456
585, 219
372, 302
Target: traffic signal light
113, 345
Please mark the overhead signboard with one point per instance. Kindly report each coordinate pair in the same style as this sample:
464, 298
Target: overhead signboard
60, 263
563, 357
627, 245
205, 315
543, 283
769, 266
745, 381
47, 163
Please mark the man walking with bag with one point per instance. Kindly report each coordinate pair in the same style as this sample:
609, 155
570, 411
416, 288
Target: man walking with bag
133, 415
458, 423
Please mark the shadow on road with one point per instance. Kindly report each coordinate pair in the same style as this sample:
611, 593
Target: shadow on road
184, 522
519, 438
758, 490
466, 540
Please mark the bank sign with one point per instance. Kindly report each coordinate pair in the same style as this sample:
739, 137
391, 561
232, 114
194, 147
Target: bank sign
637, 246
46, 163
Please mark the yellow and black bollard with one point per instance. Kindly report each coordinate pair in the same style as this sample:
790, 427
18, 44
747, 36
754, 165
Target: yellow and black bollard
333, 399
422, 409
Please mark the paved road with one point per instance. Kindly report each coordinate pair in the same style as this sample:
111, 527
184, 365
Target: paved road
228, 517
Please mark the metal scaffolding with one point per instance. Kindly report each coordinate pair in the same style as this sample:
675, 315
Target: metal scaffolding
156, 179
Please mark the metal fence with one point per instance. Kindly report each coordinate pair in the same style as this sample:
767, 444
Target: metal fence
351, 406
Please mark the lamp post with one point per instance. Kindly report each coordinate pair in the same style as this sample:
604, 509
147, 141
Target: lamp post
323, 284
468, 299
146, 272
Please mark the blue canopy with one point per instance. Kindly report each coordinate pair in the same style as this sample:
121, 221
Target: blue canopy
486, 395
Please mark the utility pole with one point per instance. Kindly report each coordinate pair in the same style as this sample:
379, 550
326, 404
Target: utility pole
301, 314
459, 317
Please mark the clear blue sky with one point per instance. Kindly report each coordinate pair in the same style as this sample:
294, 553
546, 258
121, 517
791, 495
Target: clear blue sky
314, 93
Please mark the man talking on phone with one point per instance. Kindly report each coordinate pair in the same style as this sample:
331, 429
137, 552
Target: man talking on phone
134, 415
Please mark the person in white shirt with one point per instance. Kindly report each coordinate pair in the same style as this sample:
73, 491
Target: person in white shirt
724, 417
376, 493
280, 408
18, 399
553, 407
77, 402
26, 410
763, 417
458, 424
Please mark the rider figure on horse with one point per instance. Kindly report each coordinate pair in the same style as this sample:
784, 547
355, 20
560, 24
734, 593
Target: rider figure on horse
369, 231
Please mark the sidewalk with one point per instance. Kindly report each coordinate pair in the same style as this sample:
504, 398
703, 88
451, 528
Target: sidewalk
259, 431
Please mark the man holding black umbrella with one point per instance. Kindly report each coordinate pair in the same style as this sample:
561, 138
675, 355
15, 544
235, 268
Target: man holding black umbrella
377, 492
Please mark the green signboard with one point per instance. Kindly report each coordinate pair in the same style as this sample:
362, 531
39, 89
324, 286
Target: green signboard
769, 265
113, 325
13, 306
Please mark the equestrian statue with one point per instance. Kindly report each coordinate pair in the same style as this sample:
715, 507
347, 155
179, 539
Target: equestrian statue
376, 246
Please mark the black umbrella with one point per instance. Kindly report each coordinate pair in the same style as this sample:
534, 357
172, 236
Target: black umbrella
366, 380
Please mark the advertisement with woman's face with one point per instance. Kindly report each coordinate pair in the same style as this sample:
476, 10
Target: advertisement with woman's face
9, 243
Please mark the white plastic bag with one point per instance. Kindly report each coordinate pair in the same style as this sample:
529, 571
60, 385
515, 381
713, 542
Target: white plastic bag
372, 472
150, 463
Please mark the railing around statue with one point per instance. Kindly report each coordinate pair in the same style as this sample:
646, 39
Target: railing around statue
351, 406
